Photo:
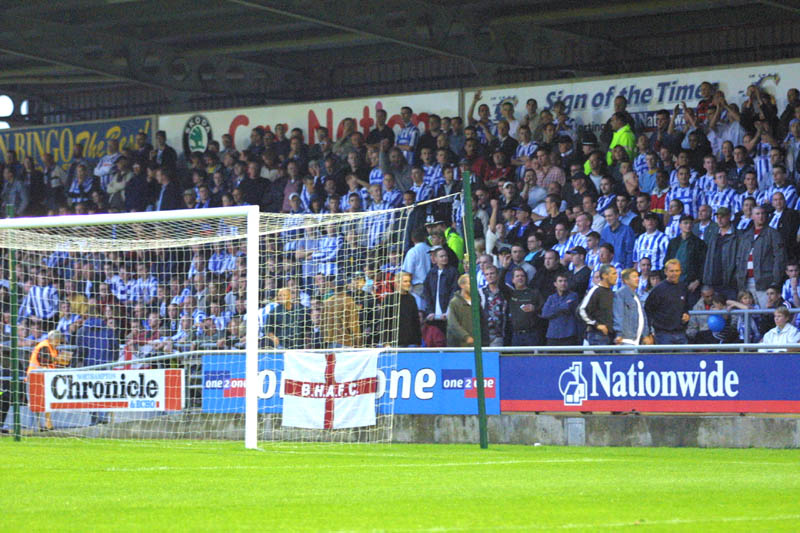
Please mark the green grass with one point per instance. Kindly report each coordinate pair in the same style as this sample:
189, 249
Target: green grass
87, 485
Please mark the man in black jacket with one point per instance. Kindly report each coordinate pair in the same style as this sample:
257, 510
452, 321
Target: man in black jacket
597, 306
170, 195
787, 222
524, 305
440, 284
690, 250
761, 258
667, 307
719, 267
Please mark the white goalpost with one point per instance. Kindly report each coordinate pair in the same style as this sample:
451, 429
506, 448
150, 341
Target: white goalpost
141, 325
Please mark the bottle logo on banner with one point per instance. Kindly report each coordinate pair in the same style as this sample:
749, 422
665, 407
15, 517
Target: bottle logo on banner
196, 134
572, 384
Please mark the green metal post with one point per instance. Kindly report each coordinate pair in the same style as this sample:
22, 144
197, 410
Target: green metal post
469, 233
16, 390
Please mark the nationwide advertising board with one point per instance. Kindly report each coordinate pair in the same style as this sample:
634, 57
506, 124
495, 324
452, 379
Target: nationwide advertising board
419, 383
696, 383
191, 132
590, 102
60, 139
106, 390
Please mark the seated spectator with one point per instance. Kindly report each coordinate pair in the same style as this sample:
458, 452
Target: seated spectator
783, 332
746, 332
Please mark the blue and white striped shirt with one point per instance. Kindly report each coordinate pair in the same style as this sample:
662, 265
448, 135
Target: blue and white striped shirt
41, 302
408, 135
673, 177
64, 323
305, 199
618, 266
481, 134
78, 192
763, 165
524, 150
605, 201
789, 193
423, 192
706, 183
393, 198
740, 198
786, 293
142, 290
378, 224
652, 245
344, 203
434, 175
218, 262
640, 164
673, 229
690, 196
723, 198
376, 176
561, 248
576, 239
326, 253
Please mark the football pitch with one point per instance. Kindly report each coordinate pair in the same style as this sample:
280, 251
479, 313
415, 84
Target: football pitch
89, 485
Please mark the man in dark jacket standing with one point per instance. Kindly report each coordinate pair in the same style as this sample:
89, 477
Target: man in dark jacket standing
596, 309
559, 309
524, 304
690, 250
761, 258
719, 267
667, 307
440, 284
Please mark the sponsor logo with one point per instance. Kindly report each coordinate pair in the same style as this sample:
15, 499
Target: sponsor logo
222, 380
114, 390
573, 385
196, 134
636, 381
462, 379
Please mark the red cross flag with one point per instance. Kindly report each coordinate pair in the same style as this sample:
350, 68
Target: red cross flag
330, 390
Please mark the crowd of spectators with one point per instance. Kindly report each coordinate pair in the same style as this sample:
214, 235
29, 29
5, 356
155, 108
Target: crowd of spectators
607, 236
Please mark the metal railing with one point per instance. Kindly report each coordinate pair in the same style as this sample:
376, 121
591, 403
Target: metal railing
746, 312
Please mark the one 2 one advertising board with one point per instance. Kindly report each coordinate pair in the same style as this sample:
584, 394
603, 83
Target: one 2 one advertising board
420, 383
697, 383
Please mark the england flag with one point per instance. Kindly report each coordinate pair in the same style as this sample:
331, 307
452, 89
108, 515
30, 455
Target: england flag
332, 390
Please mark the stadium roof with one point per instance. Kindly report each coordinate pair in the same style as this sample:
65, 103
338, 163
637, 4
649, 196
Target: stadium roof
273, 50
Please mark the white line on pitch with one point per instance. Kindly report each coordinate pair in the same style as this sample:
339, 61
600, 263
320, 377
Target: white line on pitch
360, 466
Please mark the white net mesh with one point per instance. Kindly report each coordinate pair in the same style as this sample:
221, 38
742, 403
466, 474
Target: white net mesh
138, 330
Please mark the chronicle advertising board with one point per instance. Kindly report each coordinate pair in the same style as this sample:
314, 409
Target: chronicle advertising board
418, 383
106, 390
60, 139
590, 102
696, 383
191, 132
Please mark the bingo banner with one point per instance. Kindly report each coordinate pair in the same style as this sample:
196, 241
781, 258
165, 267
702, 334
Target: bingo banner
60, 139
419, 383
697, 383
590, 102
191, 132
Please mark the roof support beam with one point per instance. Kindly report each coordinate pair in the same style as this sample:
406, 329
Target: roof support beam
122, 58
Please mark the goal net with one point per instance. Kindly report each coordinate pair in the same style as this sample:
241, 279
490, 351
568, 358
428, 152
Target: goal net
139, 326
